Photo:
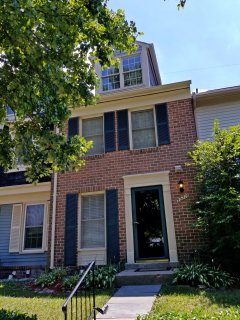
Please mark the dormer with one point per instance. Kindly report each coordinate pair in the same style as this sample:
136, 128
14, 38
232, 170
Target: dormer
138, 70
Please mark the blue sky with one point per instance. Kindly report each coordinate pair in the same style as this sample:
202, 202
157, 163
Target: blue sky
200, 43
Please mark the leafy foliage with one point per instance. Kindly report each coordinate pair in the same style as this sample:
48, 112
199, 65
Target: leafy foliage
47, 55
218, 208
70, 282
202, 274
50, 278
104, 276
12, 315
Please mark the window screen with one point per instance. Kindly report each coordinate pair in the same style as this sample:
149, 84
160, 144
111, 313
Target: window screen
143, 129
34, 226
92, 222
92, 130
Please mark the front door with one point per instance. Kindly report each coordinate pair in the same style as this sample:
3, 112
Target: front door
149, 226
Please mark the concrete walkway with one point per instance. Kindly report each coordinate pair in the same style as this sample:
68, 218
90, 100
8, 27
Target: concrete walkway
130, 301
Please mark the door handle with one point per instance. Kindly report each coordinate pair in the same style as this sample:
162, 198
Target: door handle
135, 222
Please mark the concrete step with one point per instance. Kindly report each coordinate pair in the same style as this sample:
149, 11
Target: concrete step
143, 277
151, 266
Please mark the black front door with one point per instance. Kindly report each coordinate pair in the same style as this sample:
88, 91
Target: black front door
149, 226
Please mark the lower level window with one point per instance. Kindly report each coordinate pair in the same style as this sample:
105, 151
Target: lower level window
92, 221
34, 226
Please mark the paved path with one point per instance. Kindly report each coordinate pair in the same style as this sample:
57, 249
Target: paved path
130, 301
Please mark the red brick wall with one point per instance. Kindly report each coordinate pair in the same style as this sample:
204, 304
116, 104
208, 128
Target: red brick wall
106, 171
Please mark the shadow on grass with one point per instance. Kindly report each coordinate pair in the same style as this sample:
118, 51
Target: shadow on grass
224, 297
22, 289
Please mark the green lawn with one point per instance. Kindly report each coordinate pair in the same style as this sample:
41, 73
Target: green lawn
184, 303
16, 296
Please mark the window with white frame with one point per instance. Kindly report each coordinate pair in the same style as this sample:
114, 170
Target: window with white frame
132, 71
92, 228
110, 79
128, 74
34, 226
92, 130
143, 129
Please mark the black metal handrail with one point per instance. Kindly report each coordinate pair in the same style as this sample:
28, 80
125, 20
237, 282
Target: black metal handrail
84, 306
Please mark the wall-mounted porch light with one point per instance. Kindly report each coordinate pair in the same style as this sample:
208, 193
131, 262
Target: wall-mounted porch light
181, 186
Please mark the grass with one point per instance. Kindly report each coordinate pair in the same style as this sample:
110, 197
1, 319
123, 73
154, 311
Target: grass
185, 303
16, 296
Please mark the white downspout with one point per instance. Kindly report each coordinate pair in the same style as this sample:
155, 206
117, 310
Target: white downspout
53, 219
54, 214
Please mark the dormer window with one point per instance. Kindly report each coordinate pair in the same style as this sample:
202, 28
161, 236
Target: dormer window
128, 74
132, 71
110, 79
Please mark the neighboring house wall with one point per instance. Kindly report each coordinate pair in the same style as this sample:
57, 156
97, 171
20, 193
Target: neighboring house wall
16, 204
121, 169
221, 104
14, 259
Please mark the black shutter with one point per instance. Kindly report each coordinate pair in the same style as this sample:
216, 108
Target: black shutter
70, 243
109, 132
123, 136
162, 124
113, 255
73, 127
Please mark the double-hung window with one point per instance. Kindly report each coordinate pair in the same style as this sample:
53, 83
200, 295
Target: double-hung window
149, 127
92, 221
132, 71
143, 129
34, 226
128, 74
110, 79
92, 130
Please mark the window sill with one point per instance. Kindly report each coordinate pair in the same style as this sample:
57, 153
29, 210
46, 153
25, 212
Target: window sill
32, 251
91, 249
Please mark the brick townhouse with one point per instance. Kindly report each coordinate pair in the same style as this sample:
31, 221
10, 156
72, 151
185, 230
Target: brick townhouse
128, 202
131, 200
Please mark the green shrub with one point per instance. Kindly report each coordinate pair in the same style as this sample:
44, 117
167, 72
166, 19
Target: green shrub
70, 282
50, 278
203, 274
104, 277
13, 315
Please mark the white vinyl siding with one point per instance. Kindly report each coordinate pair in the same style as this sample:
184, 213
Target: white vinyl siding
92, 130
143, 129
15, 234
92, 222
227, 115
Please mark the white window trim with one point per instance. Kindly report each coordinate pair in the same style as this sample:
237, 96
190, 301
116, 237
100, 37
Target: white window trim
23, 229
79, 222
130, 125
121, 74
93, 116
